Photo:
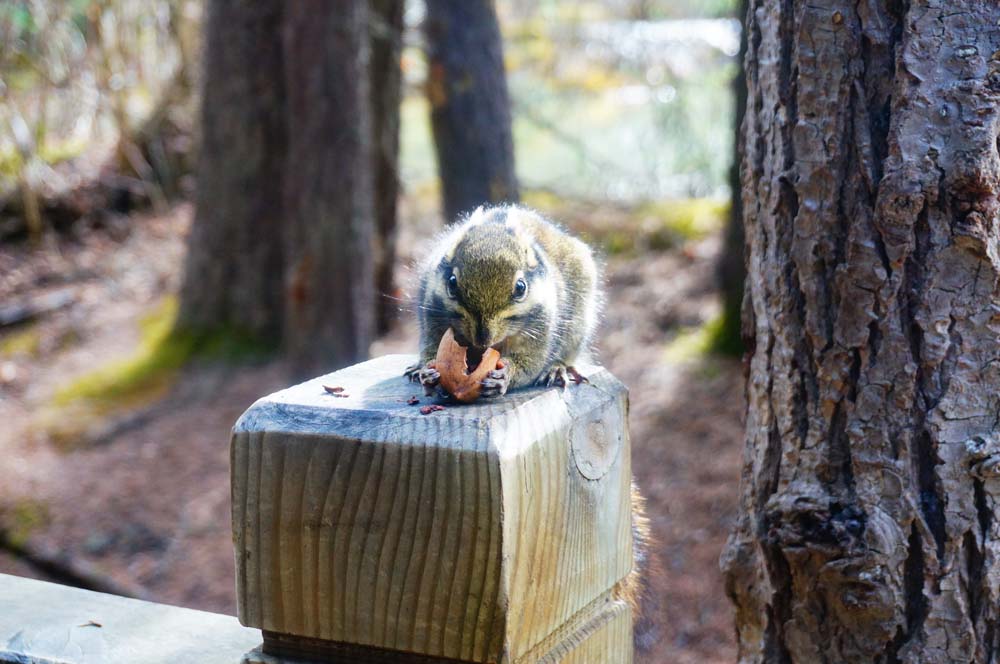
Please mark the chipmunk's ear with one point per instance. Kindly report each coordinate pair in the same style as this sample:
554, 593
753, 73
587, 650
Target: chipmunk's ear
532, 257
477, 215
529, 246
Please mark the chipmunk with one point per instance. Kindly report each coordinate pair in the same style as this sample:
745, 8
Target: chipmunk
509, 279
506, 278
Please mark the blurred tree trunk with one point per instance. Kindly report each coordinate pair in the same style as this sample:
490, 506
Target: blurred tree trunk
281, 246
470, 107
386, 95
329, 199
868, 527
234, 262
731, 266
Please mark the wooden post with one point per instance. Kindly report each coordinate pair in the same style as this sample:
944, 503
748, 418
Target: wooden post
366, 531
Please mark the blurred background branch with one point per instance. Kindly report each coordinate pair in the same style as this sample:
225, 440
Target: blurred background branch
97, 95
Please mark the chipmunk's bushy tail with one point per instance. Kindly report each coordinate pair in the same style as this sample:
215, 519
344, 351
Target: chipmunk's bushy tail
635, 588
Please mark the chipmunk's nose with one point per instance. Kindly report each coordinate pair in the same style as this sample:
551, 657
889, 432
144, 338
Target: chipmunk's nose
483, 334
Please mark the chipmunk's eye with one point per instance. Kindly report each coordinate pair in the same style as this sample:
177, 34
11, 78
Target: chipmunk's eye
520, 289
453, 286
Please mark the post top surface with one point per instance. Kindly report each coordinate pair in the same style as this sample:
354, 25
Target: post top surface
378, 393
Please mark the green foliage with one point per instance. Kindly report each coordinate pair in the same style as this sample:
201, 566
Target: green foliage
20, 17
597, 116
659, 9
416, 144
597, 129
11, 163
109, 59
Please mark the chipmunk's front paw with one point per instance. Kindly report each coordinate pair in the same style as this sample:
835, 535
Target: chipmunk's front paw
560, 375
412, 371
496, 382
427, 376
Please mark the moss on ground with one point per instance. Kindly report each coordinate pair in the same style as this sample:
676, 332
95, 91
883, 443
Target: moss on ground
727, 335
692, 343
163, 350
629, 230
25, 342
143, 375
684, 220
81, 406
19, 519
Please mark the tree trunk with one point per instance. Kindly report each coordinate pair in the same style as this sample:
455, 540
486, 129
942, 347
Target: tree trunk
731, 266
235, 248
470, 107
867, 530
386, 94
330, 308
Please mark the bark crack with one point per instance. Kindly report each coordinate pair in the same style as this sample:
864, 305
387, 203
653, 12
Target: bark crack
916, 607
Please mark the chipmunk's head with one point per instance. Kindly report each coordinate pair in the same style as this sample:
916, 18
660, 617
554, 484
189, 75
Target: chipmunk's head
495, 282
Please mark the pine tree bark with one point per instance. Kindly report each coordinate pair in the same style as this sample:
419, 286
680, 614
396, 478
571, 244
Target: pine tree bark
329, 200
470, 105
868, 529
386, 95
235, 247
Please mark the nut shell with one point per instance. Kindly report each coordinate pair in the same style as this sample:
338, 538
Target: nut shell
451, 365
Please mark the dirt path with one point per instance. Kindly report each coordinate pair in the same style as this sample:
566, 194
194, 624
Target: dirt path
145, 501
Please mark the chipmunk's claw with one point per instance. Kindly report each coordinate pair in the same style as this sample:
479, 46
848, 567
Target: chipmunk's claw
578, 377
429, 377
560, 375
496, 382
426, 375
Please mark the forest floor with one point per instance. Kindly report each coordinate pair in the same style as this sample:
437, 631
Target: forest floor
134, 489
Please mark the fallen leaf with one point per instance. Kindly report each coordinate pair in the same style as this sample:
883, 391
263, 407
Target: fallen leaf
333, 390
427, 410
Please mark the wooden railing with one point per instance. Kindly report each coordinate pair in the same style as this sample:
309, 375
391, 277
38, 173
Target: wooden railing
368, 531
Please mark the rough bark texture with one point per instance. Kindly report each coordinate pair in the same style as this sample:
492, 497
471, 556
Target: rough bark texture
232, 276
868, 529
386, 87
470, 107
330, 312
